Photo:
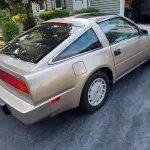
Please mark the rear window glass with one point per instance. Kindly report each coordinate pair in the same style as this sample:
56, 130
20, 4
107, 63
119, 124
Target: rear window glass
35, 44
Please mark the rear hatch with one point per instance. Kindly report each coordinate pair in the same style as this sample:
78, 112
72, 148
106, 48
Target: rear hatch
19, 57
13, 70
15, 66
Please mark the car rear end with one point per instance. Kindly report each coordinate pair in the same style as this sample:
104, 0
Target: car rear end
15, 94
25, 73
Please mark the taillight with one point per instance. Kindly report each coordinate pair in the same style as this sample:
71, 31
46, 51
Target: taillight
14, 82
58, 23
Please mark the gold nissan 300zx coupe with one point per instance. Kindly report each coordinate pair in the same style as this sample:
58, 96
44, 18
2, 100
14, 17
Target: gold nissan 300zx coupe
65, 63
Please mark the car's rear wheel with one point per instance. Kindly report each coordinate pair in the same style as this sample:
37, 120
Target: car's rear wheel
95, 92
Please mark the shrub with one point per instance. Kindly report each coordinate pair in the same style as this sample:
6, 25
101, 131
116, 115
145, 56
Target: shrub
50, 14
11, 30
84, 10
22, 18
3, 17
19, 18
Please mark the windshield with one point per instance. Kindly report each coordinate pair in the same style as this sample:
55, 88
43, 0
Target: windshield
36, 43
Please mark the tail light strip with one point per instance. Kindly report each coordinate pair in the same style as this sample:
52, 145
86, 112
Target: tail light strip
14, 82
58, 23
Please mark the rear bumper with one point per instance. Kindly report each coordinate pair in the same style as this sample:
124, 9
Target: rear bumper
23, 111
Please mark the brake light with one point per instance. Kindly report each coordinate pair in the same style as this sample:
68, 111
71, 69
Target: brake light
58, 23
14, 82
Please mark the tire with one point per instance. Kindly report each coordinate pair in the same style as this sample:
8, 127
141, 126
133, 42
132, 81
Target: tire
90, 99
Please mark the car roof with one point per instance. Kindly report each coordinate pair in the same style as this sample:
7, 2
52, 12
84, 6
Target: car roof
97, 17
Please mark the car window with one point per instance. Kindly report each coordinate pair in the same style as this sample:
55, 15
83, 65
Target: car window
36, 43
118, 29
87, 42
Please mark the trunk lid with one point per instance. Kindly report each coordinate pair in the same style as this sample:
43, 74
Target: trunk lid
15, 67
18, 69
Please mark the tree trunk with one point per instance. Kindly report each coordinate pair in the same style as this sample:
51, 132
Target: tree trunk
9, 14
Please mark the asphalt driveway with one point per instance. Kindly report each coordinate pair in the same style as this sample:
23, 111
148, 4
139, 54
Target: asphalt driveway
122, 124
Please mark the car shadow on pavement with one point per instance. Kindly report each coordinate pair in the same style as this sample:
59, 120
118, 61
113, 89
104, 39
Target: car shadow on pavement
122, 123
70, 116
123, 83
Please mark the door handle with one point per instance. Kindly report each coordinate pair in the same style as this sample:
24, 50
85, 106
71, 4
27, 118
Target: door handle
117, 52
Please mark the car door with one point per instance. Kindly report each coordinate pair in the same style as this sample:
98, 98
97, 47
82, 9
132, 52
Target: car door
125, 42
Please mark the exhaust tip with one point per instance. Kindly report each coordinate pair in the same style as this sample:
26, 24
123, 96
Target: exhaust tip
4, 107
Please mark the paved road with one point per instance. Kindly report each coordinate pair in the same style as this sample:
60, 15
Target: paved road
122, 124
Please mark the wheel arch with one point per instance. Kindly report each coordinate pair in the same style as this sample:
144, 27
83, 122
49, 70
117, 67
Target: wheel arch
107, 70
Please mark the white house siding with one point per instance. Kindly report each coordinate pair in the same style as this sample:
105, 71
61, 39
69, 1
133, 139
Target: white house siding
49, 4
34, 9
35, 12
112, 6
106, 6
69, 4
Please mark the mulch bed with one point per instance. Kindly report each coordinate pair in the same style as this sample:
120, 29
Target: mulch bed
1, 43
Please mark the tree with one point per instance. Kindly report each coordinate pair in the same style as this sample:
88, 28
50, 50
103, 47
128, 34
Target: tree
14, 7
9, 4
6, 6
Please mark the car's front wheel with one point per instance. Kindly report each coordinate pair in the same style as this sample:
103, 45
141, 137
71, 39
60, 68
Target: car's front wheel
95, 92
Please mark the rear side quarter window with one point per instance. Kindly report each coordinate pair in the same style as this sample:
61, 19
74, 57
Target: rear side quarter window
85, 43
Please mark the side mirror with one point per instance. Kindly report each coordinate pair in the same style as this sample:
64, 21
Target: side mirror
144, 32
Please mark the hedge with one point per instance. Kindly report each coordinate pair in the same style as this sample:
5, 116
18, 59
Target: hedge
50, 14
11, 31
84, 10
3, 17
